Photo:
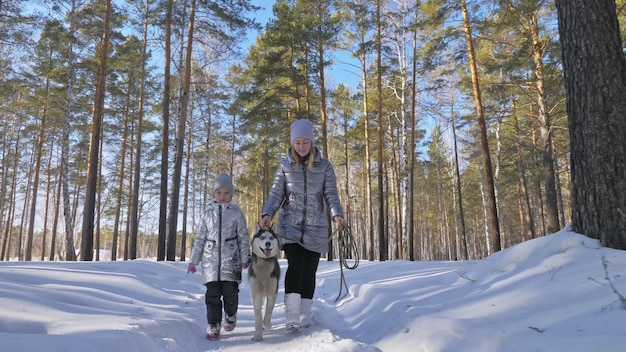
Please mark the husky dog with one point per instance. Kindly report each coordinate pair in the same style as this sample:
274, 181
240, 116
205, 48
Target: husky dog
263, 274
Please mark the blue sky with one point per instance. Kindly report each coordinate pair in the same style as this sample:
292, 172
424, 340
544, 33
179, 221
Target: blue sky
342, 71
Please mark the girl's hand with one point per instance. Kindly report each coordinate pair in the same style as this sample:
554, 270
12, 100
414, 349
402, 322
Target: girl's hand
191, 269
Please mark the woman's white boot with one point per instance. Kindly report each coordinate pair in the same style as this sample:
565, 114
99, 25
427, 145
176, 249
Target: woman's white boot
305, 312
292, 311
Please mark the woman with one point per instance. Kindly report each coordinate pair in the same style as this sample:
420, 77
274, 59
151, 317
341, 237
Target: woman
303, 182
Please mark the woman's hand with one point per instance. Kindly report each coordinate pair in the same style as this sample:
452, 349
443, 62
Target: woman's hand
265, 222
339, 220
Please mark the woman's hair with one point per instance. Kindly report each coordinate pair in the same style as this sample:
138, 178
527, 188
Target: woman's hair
309, 160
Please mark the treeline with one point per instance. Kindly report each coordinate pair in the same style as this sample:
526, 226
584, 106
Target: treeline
116, 116
45, 249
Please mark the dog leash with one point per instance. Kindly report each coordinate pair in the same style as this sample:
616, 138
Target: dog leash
347, 250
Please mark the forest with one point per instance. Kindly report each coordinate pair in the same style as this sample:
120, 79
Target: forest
445, 120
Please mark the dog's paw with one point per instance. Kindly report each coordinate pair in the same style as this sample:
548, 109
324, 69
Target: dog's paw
257, 337
267, 326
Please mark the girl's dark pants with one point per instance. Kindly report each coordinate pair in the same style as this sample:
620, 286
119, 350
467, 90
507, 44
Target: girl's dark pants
215, 292
301, 269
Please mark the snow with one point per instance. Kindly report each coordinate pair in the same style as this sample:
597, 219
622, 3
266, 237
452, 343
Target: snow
561, 292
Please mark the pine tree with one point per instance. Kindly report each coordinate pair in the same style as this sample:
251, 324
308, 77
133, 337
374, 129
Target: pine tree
595, 79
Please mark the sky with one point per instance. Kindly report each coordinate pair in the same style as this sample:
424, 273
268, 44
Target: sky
344, 69
562, 292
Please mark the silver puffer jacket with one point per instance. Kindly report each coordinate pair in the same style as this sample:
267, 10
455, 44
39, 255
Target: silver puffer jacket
300, 194
222, 243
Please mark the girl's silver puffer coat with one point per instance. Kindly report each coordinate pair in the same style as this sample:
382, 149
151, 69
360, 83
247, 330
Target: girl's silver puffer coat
222, 243
302, 193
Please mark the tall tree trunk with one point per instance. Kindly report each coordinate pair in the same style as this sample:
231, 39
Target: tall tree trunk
47, 202
394, 228
346, 157
485, 214
400, 90
5, 205
55, 222
180, 141
98, 208
120, 182
368, 173
361, 31
457, 177
410, 220
29, 184
6, 245
70, 250
86, 246
494, 229
440, 211
528, 220
382, 235
537, 187
323, 112
8, 232
593, 54
129, 205
368, 165
266, 180
134, 217
127, 223
559, 188
183, 240
552, 209
165, 141
33, 206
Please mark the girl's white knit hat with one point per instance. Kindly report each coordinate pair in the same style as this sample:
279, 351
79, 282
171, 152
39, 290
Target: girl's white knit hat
302, 129
223, 181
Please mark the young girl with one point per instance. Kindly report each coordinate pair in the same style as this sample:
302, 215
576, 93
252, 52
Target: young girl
303, 182
223, 247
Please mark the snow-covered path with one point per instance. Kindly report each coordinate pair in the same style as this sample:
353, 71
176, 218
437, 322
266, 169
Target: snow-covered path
555, 293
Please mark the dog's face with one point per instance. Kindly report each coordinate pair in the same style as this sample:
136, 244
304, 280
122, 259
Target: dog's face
265, 244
